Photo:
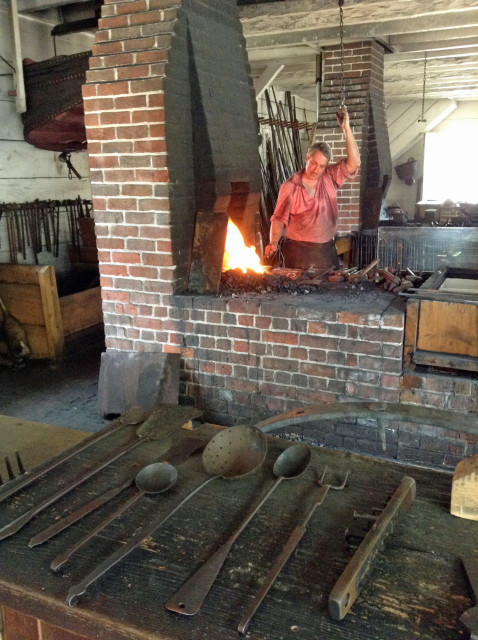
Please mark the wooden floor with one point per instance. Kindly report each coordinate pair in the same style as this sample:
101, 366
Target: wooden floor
35, 441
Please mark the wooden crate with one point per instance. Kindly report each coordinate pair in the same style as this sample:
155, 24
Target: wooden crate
30, 294
441, 326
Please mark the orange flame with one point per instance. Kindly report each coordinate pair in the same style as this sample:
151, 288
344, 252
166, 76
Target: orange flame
237, 255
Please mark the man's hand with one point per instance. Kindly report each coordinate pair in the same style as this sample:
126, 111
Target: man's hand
343, 118
270, 250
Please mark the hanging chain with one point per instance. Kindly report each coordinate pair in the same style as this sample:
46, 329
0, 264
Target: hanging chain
342, 55
422, 117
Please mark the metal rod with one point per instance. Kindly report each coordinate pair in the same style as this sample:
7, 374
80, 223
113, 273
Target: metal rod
30, 477
11, 475
292, 542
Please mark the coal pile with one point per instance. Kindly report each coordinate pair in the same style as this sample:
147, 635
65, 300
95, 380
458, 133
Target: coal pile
237, 282
294, 282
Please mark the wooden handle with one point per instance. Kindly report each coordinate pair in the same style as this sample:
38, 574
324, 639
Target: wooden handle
347, 587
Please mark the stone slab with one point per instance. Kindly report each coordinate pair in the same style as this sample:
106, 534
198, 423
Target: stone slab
130, 379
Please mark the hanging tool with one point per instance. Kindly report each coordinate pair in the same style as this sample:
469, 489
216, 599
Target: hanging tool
66, 158
342, 106
294, 539
422, 115
347, 587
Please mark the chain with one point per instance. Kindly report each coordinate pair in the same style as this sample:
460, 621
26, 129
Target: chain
342, 55
422, 117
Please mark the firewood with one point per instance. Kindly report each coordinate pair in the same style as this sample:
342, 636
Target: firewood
368, 268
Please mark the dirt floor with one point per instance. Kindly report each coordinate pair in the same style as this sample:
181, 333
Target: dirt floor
63, 393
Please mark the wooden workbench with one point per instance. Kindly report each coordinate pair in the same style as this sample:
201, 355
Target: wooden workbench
417, 588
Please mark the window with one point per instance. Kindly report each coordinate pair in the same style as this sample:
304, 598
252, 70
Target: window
450, 167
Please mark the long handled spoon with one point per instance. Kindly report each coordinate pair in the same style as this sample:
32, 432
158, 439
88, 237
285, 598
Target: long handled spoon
231, 453
177, 453
189, 598
294, 539
150, 479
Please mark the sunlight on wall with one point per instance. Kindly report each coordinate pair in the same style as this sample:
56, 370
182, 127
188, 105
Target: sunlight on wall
450, 164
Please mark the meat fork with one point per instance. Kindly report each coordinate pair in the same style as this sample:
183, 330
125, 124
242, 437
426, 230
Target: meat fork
294, 539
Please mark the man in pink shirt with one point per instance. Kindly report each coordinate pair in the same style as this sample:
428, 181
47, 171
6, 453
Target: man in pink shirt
306, 211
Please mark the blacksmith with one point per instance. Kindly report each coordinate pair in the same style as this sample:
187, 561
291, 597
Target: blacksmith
306, 211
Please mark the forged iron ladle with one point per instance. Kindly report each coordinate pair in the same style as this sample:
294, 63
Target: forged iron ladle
292, 462
231, 453
155, 478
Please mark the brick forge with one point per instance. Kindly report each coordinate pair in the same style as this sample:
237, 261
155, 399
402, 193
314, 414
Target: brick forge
171, 131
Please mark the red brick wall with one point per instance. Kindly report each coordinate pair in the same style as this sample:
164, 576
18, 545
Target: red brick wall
248, 359
245, 359
360, 200
171, 125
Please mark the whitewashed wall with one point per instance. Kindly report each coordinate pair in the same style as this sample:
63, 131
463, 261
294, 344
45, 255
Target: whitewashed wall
27, 173
399, 192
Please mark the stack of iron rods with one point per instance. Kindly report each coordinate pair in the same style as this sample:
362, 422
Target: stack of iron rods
282, 153
36, 225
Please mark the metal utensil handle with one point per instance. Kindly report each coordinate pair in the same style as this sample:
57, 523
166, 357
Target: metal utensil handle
21, 521
60, 525
294, 539
29, 477
292, 542
179, 452
347, 587
80, 588
189, 598
63, 557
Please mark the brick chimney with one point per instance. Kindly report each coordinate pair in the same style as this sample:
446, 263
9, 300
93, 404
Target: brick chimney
172, 129
359, 202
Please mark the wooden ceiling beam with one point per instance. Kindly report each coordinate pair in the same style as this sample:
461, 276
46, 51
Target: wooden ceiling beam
401, 41
324, 36
432, 54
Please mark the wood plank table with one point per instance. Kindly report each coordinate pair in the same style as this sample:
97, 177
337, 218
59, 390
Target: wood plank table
416, 589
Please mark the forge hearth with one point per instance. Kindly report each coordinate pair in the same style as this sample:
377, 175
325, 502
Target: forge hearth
288, 281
